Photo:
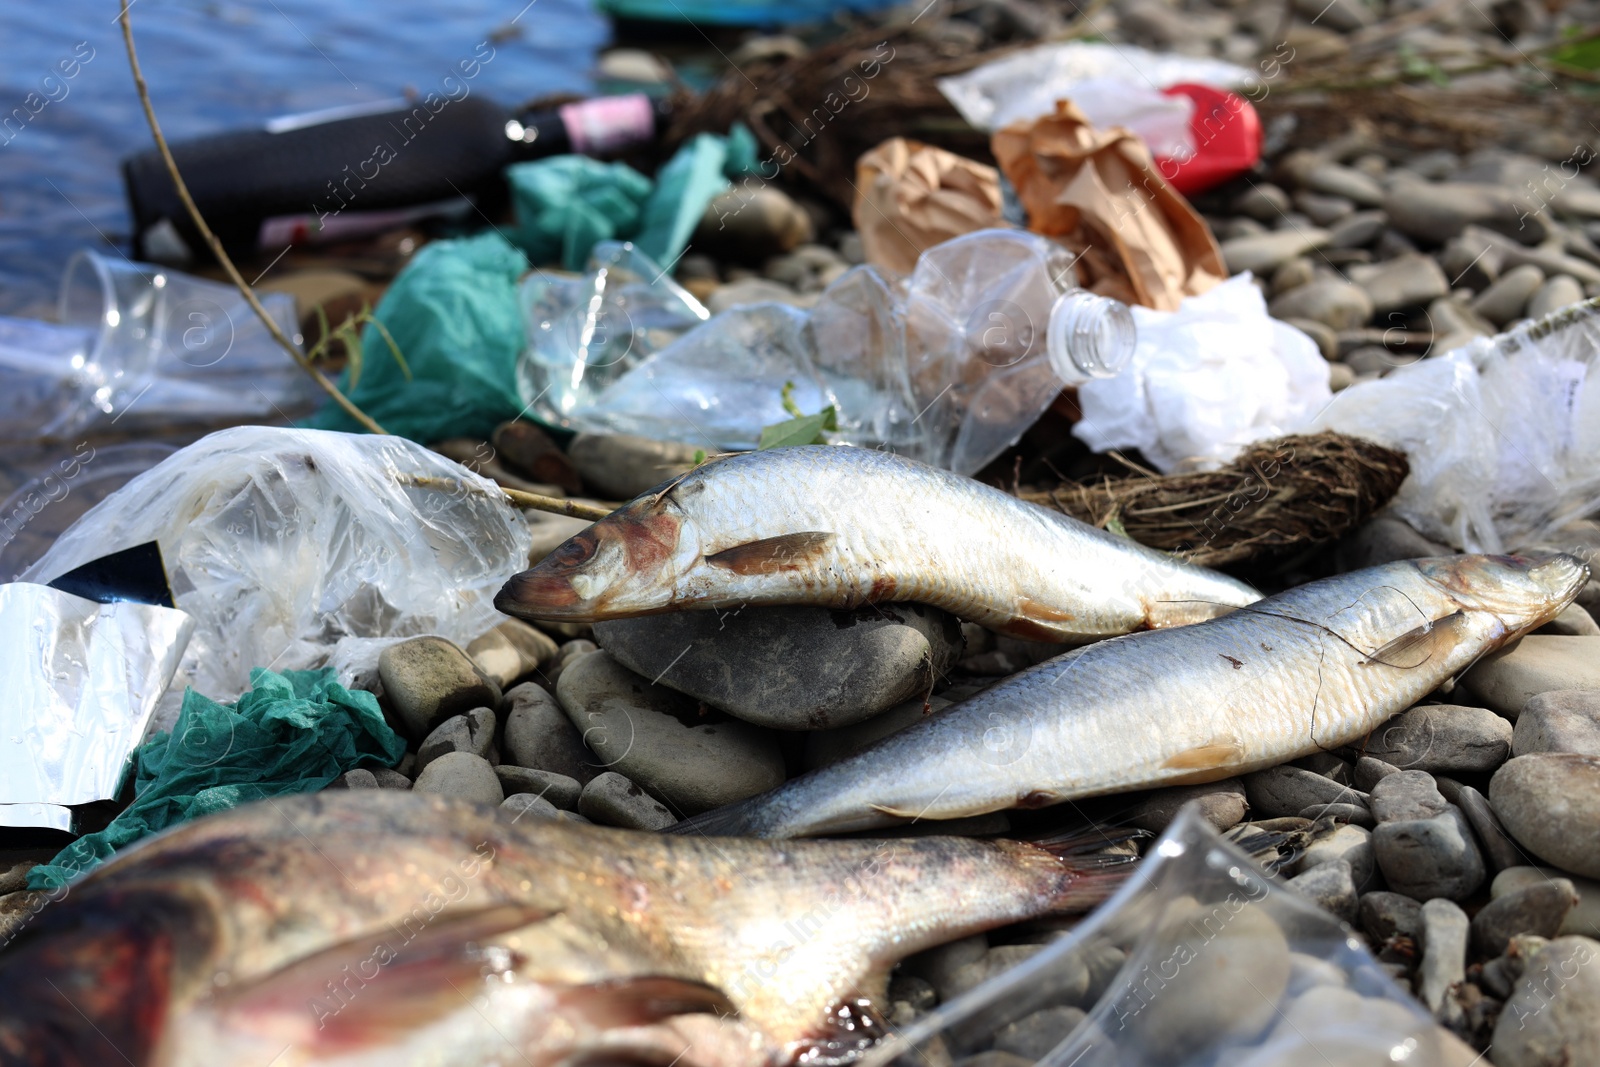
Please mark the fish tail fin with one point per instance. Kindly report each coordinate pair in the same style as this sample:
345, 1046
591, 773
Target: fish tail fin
738, 819
1087, 873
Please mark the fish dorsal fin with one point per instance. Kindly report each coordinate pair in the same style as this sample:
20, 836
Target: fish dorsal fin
771, 555
642, 1000
1420, 644
375, 988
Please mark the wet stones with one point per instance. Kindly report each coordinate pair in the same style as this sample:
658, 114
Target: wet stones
792, 668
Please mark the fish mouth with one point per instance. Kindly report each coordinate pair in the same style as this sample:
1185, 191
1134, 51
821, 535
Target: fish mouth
1560, 575
537, 594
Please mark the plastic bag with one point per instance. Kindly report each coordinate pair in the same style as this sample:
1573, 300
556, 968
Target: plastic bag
565, 204
1114, 85
1503, 434
949, 366
1200, 959
583, 333
280, 542
452, 313
1206, 380
291, 733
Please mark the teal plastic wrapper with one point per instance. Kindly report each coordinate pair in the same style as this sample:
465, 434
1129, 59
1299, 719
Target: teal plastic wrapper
565, 204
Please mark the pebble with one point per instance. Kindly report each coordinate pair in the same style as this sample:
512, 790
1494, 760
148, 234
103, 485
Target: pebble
558, 789
1292, 274
660, 739
1442, 737
1289, 790
1231, 990
1550, 802
825, 747
530, 804
1501, 851
569, 653
472, 732
792, 668
1263, 202
1553, 1016
1222, 804
1067, 983
1034, 1035
938, 965
1350, 845
612, 800
1436, 212
634, 65
1423, 844
525, 447
1537, 909
1262, 252
1357, 230
355, 778
1369, 771
1567, 720
751, 222
1385, 539
538, 735
1331, 886
510, 651
1354, 814
389, 778
1331, 301
463, 775
1554, 294
1322, 209
1583, 919
1505, 299
1335, 179
1385, 915
1443, 940
1326, 338
1408, 281
622, 466
1506, 680
428, 679
1573, 621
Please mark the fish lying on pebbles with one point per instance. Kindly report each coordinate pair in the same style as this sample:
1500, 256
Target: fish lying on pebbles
846, 526
1307, 670
382, 927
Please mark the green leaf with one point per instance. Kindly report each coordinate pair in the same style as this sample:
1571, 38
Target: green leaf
1584, 55
788, 400
699, 456
804, 430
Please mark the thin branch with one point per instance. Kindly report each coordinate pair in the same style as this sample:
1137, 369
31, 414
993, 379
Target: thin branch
289, 346
517, 498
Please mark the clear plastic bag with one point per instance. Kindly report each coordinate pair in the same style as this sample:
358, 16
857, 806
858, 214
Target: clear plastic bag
1200, 960
281, 542
1206, 380
949, 365
1503, 434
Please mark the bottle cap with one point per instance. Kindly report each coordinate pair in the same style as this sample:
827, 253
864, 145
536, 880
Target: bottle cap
1089, 336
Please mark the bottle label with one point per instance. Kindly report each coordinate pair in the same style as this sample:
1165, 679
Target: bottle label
608, 123
283, 230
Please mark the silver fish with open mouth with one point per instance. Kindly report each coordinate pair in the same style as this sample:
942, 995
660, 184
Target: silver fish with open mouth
840, 527
1307, 670
382, 927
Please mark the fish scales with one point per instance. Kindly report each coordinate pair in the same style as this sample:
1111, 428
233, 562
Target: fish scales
1310, 669
844, 526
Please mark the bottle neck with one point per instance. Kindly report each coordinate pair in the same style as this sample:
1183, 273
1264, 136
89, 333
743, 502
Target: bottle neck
1089, 337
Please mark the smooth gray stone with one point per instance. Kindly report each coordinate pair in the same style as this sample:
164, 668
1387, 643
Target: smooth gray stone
473, 732
530, 805
1551, 1017
1385, 915
1550, 803
1567, 720
428, 679
462, 775
1442, 737
1289, 790
558, 789
1429, 857
612, 800
1444, 952
539, 735
1535, 909
1331, 887
1498, 847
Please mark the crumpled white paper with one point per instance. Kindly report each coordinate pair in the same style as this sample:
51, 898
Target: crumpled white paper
1206, 380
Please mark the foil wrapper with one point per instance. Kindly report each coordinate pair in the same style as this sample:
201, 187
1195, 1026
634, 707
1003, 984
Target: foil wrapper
82, 679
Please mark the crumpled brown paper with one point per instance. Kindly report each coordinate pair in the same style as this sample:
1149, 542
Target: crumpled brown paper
911, 196
1099, 192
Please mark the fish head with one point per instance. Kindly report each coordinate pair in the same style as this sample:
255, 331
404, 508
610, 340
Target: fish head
1524, 592
628, 563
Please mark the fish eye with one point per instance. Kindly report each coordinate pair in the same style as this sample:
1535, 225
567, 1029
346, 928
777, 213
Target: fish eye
576, 551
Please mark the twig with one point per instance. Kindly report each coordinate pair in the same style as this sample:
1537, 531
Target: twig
517, 498
289, 346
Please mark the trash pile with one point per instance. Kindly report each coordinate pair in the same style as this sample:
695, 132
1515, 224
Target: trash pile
1083, 560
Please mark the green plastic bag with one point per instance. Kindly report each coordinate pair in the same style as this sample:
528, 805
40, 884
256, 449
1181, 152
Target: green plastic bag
291, 733
565, 204
454, 317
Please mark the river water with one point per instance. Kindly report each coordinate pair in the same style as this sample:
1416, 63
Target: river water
68, 112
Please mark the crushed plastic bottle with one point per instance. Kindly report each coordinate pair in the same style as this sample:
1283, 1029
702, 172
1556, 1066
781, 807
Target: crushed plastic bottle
586, 331
949, 365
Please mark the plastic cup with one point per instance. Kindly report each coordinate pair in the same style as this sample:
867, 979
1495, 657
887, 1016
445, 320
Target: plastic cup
177, 347
44, 377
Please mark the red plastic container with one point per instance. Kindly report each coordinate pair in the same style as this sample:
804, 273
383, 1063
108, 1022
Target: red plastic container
1227, 139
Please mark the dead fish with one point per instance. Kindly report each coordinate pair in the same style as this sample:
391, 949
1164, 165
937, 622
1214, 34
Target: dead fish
387, 928
841, 527
1307, 670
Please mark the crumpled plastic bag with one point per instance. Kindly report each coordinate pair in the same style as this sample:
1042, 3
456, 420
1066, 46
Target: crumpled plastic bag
453, 314
279, 542
293, 732
911, 196
564, 205
1100, 193
1503, 434
1200, 959
1205, 381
